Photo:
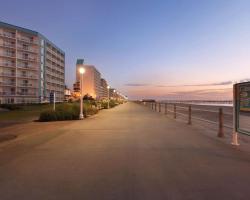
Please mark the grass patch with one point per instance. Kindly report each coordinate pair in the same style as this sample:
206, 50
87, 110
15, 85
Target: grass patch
24, 112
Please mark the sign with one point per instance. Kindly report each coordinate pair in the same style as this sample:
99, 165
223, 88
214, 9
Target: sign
52, 97
242, 108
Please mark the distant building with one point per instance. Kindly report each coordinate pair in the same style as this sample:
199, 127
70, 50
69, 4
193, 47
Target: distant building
104, 88
76, 86
30, 66
112, 93
67, 94
91, 80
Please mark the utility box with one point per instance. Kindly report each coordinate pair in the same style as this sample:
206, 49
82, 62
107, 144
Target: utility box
242, 108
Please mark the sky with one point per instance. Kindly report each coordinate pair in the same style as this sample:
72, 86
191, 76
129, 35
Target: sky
161, 49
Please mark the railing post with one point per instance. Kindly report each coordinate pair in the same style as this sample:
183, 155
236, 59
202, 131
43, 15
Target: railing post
189, 115
166, 108
221, 131
175, 111
159, 107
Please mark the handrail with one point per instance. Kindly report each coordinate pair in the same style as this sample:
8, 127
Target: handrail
158, 107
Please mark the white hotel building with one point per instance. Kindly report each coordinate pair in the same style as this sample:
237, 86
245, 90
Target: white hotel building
30, 66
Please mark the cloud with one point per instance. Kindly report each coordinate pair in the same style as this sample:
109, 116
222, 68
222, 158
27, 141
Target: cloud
191, 85
136, 84
212, 84
206, 94
244, 80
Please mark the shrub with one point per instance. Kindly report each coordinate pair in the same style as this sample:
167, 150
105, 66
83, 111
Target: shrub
69, 111
112, 103
46, 116
104, 104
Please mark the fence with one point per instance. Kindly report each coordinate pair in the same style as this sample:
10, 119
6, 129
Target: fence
190, 113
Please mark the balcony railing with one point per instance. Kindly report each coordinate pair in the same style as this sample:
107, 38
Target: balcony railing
7, 74
27, 40
27, 49
29, 67
26, 85
9, 55
9, 93
7, 45
7, 65
27, 58
8, 35
27, 76
26, 94
7, 83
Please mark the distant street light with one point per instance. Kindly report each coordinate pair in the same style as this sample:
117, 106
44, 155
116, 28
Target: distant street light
108, 95
81, 71
114, 95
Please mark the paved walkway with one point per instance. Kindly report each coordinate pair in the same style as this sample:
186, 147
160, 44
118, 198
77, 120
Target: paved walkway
128, 152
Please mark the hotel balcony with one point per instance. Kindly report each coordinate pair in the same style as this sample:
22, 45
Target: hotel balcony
28, 40
32, 59
7, 84
7, 55
7, 93
8, 65
27, 67
27, 49
5, 74
8, 45
8, 35
26, 85
26, 94
27, 76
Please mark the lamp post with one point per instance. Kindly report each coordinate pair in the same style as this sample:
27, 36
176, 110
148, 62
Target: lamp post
108, 95
81, 71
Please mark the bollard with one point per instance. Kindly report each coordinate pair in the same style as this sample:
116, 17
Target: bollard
155, 106
221, 131
166, 108
174, 111
159, 107
189, 115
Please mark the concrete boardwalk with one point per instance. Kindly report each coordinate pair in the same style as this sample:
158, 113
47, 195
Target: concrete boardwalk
128, 152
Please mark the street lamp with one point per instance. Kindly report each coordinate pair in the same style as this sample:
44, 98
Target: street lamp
108, 95
81, 71
114, 95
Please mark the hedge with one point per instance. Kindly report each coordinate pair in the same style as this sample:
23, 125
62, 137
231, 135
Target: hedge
68, 111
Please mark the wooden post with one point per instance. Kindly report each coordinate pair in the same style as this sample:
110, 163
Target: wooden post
221, 131
159, 107
152, 106
189, 115
174, 111
155, 106
166, 108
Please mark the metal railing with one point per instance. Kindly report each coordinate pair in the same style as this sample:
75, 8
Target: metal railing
9, 45
7, 74
8, 35
191, 113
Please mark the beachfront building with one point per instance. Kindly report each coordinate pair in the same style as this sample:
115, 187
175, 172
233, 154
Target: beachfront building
31, 67
104, 89
91, 80
67, 94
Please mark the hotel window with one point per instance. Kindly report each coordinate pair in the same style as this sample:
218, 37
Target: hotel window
25, 46
25, 56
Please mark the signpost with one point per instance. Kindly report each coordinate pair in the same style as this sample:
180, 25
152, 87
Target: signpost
241, 110
52, 99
